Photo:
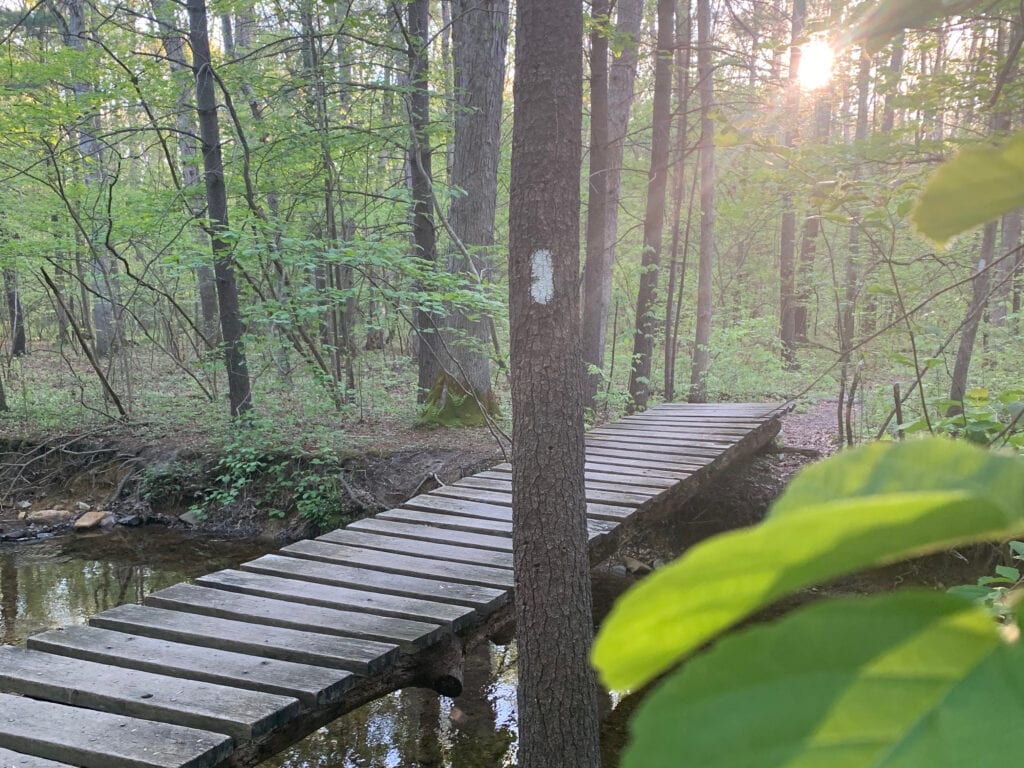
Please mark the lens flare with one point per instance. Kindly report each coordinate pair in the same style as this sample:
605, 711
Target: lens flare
816, 61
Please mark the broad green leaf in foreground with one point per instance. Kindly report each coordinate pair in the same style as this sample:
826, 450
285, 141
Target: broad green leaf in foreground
978, 185
723, 580
916, 465
899, 681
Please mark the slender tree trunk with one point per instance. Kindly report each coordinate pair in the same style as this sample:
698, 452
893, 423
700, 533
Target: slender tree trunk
598, 269
15, 312
705, 74
557, 689
239, 393
174, 47
892, 84
677, 270
654, 217
424, 237
1010, 235
462, 391
597, 201
787, 256
975, 310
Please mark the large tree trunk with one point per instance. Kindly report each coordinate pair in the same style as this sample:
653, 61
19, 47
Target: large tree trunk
598, 269
174, 47
421, 182
557, 689
462, 394
787, 253
654, 217
15, 312
705, 73
239, 393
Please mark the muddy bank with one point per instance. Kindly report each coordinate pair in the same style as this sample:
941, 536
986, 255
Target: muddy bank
85, 482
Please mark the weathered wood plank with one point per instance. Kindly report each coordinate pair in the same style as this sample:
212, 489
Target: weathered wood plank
362, 656
314, 686
10, 759
243, 715
496, 481
504, 498
389, 562
602, 453
91, 739
208, 601
713, 436
611, 470
430, 502
447, 520
640, 436
667, 449
427, 533
310, 593
483, 598
456, 554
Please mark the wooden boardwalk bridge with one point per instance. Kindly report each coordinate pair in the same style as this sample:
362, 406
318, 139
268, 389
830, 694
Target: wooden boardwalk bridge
240, 664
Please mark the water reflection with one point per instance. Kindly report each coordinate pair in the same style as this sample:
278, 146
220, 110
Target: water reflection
418, 729
54, 583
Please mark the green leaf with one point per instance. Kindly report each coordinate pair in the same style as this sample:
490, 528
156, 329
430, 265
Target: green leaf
1008, 573
911, 467
978, 185
904, 500
899, 681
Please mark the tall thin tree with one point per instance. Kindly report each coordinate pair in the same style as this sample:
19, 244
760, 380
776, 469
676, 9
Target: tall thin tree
706, 86
557, 691
232, 329
654, 217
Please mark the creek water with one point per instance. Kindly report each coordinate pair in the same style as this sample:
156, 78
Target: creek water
62, 581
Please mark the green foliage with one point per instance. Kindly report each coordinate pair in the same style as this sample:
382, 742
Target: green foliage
909, 679
886, 19
982, 418
894, 681
993, 591
167, 482
977, 186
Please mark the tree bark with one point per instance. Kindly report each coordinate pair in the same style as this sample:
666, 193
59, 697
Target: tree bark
677, 268
462, 394
174, 47
705, 74
597, 289
1010, 234
423, 234
654, 217
979, 298
15, 312
557, 689
787, 254
597, 199
239, 392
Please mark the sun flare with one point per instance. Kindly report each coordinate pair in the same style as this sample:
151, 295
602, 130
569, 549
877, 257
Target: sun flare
816, 61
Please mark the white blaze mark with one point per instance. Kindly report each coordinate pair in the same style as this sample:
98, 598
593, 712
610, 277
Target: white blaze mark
542, 275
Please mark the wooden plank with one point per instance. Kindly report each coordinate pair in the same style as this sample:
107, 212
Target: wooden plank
625, 470
496, 481
646, 437
309, 593
391, 562
457, 554
504, 498
426, 533
483, 598
454, 522
208, 601
601, 452
362, 656
654, 464
244, 715
463, 507
91, 739
680, 453
314, 686
9, 759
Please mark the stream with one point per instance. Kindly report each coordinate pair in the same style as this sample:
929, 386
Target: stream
62, 581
